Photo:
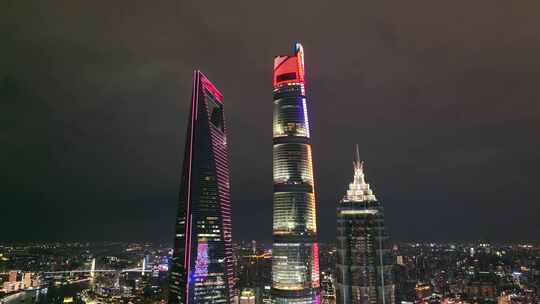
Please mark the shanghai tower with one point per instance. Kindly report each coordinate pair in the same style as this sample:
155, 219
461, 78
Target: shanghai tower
364, 262
202, 264
295, 259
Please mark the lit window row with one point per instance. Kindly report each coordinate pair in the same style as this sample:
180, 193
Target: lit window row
294, 266
294, 212
292, 164
290, 117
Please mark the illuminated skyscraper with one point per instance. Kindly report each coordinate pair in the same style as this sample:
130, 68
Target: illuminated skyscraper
364, 263
295, 260
202, 265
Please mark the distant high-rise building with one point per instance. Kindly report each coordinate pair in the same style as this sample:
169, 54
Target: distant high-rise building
364, 262
27, 279
247, 296
295, 260
202, 265
13, 276
328, 291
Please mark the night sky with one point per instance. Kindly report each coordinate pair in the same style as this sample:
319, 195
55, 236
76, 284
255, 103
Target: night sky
443, 98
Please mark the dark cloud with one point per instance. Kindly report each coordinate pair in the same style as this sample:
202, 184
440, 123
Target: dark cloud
441, 97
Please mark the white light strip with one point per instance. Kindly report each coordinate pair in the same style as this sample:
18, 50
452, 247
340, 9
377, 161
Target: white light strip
368, 211
305, 115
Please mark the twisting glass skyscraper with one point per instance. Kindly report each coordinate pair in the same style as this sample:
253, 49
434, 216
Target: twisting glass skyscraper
295, 260
364, 262
202, 266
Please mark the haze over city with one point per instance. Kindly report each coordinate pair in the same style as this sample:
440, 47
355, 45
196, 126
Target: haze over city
441, 98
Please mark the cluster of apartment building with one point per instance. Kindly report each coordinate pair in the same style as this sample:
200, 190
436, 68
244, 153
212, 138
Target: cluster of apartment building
20, 281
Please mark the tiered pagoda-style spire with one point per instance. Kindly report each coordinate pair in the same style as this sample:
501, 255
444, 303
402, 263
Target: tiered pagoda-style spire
359, 190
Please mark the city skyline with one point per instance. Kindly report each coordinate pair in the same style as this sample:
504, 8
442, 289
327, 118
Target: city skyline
179, 152
445, 111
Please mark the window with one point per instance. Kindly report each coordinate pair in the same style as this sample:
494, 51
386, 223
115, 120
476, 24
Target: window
286, 76
216, 113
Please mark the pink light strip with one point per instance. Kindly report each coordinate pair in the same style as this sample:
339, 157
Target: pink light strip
189, 218
211, 87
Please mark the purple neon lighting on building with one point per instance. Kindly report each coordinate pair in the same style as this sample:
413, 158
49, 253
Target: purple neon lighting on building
201, 265
204, 220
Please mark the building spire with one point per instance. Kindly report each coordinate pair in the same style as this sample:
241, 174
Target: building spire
359, 190
357, 163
